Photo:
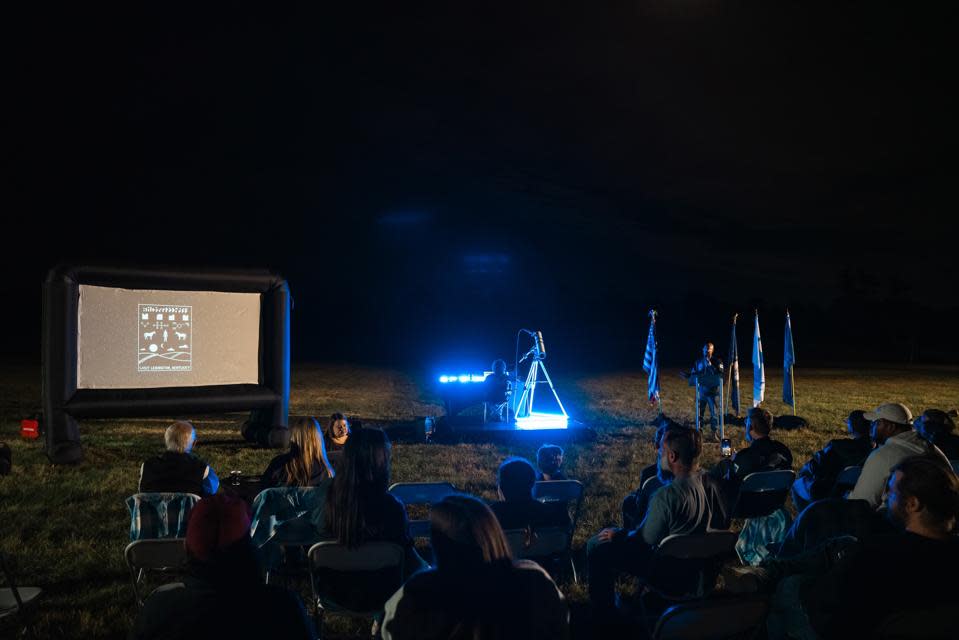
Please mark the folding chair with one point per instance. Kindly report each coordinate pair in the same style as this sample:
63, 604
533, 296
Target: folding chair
286, 550
14, 599
762, 492
846, 480
354, 582
684, 566
167, 556
159, 515
425, 493
552, 539
725, 619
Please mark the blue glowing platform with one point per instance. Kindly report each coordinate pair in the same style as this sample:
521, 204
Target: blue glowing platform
543, 428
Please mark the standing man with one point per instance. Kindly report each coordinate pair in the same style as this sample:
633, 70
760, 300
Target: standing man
707, 366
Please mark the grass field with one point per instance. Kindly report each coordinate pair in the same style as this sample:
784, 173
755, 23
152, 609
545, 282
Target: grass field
68, 526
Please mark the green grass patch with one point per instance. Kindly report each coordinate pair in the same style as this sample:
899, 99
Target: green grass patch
68, 526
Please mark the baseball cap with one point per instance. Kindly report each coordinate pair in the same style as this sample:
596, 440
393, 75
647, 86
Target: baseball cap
891, 411
216, 523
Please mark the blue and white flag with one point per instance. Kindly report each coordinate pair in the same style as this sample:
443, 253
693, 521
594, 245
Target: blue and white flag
734, 370
651, 360
759, 372
789, 359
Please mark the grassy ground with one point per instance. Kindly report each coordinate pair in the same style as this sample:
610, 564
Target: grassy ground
68, 526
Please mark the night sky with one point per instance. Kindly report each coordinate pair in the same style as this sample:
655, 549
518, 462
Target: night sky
430, 178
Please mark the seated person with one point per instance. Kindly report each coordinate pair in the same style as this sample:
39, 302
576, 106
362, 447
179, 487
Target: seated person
635, 504
517, 508
848, 590
359, 507
549, 459
762, 454
496, 391
689, 502
223, 594
177, 470
476, 590
305, 464
895, 441
938, 427
335, 435
817, 478
831, 518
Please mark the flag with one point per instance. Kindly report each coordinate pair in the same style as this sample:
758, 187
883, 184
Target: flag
651, 361
789, 359
759, 373
733, 370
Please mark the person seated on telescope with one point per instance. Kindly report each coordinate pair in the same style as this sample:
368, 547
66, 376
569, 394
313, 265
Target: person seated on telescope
496, 390
517, 509
705, 368
177, 470
817, 478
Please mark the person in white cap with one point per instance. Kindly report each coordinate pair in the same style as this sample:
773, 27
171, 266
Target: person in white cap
895, 440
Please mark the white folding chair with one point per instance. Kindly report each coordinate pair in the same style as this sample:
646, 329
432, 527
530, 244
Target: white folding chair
422, 493
166, 556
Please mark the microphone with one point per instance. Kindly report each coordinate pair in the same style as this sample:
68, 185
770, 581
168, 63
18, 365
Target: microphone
540, 344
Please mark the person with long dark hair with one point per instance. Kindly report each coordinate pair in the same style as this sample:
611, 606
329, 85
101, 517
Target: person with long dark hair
306, 463
477, 591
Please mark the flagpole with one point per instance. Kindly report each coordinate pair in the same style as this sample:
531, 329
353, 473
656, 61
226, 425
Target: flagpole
729, 373
659, 392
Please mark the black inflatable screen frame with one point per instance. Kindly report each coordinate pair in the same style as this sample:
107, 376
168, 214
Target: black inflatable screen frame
63, 403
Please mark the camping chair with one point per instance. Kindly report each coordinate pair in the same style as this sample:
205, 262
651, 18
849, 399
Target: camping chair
740, 618
159, 515
354, 582
167, 556
762, 492
846, 480
684, 567
14, 599
276, 505
425, 493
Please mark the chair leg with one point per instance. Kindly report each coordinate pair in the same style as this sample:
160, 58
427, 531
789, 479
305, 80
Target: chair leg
572, 565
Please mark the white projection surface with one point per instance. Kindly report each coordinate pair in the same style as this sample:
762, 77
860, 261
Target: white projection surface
142, 338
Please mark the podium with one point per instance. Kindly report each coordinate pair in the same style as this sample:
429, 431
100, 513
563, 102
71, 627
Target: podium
709, 380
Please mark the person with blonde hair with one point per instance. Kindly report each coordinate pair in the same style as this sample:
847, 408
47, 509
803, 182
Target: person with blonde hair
306, 463
177, 470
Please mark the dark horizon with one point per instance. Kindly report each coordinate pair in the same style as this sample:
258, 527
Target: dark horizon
431, 179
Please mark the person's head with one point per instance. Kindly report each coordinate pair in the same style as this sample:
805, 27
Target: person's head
338, 429
218, 543
708, 349
678, 453
759, 423
308, 448
933, 423
888, 420
499, 367
515, 478
179, 437
549, 459
922, 496
857, 425
466, 535
362, 478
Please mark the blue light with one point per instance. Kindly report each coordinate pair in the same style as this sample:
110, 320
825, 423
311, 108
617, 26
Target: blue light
464, 378
444, 379
542, 421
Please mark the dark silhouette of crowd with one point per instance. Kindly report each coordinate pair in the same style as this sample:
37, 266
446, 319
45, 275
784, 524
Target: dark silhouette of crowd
855, 562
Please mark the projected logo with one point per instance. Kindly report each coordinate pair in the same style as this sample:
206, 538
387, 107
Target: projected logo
165, 338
